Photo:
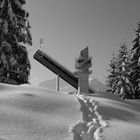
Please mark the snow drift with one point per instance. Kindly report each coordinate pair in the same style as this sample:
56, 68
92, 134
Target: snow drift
33, 113
29, 113
122, 117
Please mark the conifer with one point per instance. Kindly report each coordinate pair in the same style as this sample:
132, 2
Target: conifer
14, 34
123, 81
135, 62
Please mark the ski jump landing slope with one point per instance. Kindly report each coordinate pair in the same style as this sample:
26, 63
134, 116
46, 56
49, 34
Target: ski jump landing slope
58, 69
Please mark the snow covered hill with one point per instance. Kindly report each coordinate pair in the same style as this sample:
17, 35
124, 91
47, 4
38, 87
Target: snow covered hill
97, 85
33, 113
64, 86
51, 84
122, 117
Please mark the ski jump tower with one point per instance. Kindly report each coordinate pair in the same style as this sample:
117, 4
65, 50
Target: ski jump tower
82, 65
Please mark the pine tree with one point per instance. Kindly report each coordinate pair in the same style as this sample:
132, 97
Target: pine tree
112, 73
123, 83
135, 62
14, 33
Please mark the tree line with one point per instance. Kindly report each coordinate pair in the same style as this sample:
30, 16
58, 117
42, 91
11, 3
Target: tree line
124, 70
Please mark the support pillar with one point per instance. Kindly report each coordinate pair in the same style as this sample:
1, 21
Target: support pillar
57, 83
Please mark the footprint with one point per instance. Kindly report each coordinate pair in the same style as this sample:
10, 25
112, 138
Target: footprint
92, 124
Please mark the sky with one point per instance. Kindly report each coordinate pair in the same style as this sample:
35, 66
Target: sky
67, 26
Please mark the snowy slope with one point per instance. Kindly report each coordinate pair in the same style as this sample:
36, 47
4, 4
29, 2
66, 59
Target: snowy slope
30, 113
123, 117
64, 86
34, 113
97, 85
51, 84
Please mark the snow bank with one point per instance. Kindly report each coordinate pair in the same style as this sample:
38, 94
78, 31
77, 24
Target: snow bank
30, 113
122, 117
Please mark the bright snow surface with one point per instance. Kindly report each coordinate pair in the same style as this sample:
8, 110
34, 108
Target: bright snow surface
33, 113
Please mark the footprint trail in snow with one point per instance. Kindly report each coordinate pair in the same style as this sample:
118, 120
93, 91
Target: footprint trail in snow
92, 124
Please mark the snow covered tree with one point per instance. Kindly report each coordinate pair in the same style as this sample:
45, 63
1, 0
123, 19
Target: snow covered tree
14, 33
135, 62
119, 79
112, 73
123, 81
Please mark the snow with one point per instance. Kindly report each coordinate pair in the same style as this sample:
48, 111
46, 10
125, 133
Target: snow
121, 116
32, 113
91, 125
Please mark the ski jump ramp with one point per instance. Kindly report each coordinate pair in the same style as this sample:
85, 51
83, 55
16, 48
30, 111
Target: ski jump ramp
58, 69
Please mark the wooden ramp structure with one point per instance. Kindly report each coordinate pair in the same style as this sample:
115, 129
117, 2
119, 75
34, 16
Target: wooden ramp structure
58, 69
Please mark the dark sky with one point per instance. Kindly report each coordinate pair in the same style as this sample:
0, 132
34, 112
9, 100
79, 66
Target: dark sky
67, 26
